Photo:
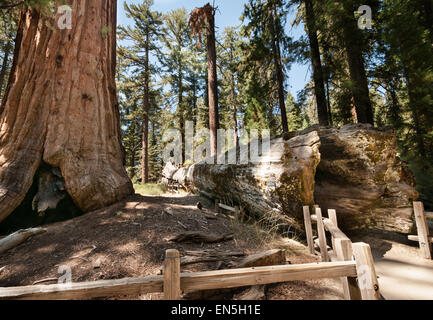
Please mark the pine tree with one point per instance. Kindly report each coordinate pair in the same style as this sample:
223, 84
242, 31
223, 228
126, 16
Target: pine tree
343, 13
318, 75
265, 30
231, 85
144, 36
175, 61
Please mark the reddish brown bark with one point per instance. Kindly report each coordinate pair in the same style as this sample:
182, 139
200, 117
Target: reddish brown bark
61, 108
212, 84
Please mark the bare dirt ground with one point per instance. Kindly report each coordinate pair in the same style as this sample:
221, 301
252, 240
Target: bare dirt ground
129, 239
403, 273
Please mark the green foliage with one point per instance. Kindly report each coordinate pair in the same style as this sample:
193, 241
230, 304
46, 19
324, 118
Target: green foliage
8, 27
135, 74
396, 55
294, 116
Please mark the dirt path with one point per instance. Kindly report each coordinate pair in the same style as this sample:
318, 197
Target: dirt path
129, 239
403, 273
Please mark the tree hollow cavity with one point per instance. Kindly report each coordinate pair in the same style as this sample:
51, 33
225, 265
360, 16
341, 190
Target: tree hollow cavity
47, 201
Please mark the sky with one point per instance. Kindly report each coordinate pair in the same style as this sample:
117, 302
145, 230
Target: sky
228, 16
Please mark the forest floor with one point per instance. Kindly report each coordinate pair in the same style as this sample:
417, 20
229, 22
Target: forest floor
129, 239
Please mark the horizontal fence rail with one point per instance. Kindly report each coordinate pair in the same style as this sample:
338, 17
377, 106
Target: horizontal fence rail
85, 290
208, 280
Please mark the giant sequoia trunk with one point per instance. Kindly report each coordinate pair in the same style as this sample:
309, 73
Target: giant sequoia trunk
60, 108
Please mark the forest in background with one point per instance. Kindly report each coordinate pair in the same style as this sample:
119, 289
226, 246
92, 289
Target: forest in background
382, 76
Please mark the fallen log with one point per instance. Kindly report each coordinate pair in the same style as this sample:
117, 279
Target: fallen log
17, 238
355, 170
361, 176
273, 189
200, 237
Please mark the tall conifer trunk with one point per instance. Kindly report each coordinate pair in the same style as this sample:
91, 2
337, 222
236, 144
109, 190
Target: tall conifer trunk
212, 83
354, 50
276, 51
319, 81
145, 129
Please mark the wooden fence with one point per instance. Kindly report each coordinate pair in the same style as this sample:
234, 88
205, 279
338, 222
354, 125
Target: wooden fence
353, 263
423, 237
173, 282
343, 250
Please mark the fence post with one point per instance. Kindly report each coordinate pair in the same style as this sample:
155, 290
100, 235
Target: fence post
367, 278
422, 229
172, 275
343, 250
308, 229
322, 236
332, 214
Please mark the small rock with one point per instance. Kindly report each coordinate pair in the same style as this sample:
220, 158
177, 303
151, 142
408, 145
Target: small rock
97, 263
169, 211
